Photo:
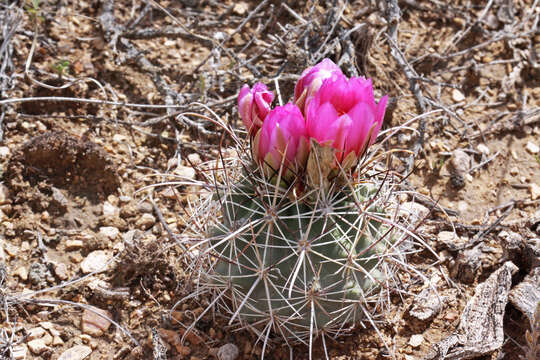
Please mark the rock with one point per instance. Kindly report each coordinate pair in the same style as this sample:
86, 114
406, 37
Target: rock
145, 221
110, 232
185, 172
61, 271
145, 207
19, 352
427, 304
78, 352
37, 346
526, 295
532, 148
480, 331
416, 340
36, 333
460, 161
94, 324
57, 341
4, 152
483, 149
228, 352
95, 261
22, 273
194, 159
59, 199
413, 211
110, 210
241, 8
457, 95
534, 190
4, 194
38, 274
74, 245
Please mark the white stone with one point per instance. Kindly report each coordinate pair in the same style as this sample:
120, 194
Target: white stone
57, 341
95, 261
457, 95
194, 159
447, 236
416, 340
4, 194
110, 210
535, 191
118, 138
37, 346
74, 244
483, 149
78, 352
109, 231
4, 152
36, 333
532, 147
19, 352
22, 273
185, 172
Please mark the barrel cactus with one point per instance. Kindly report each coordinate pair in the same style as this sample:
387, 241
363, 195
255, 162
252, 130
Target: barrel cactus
299, 237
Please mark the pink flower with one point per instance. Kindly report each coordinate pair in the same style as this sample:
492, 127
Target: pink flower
282, 140
311, 80
343, 114
254, 106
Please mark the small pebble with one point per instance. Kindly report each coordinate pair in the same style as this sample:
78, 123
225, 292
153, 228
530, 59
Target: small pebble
447, 237
145, 207
95, 261
37, 346
145, 221
110, 232
93, 324
535, 191
483, 149
532, 148
110, 210
78, 352
36, 333
457, 95
74, 245
22, 273
61, 271
4, 194
228, 352
194, 159
19, 352
185, 172
416, 340
4, 152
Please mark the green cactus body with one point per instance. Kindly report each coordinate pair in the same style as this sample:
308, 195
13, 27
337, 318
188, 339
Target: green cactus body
302, 265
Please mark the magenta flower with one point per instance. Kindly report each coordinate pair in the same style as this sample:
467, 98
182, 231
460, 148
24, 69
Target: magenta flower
254, 106
282, 140
343, 114
311, 80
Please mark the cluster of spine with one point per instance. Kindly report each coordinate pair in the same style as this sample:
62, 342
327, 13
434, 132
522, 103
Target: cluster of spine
294, 267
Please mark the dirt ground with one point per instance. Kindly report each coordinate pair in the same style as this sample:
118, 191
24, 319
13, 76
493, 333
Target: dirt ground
106, 110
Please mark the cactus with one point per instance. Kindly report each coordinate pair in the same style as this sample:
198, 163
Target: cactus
304, 250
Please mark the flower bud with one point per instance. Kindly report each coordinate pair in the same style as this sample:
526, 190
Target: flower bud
254, 106
282, 143
311, 80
